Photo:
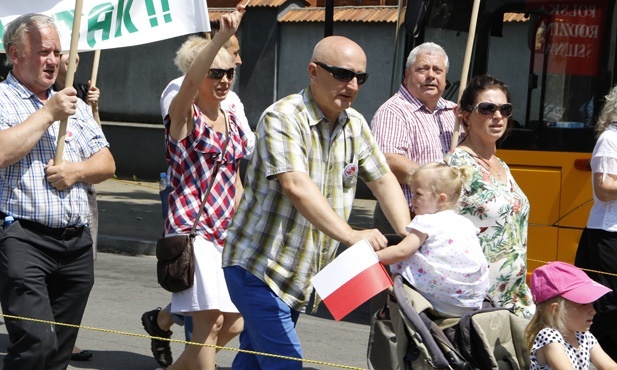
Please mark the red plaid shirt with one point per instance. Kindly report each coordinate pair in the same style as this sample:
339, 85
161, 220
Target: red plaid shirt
191, 162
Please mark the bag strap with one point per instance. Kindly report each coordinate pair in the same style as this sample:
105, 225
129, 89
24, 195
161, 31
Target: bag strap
214, 173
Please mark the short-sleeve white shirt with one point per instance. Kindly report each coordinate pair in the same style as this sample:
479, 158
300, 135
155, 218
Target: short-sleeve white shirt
603, 215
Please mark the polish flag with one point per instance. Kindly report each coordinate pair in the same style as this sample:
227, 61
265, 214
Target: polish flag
351, 279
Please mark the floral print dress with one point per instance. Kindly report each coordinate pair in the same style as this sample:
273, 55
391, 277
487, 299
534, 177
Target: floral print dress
501, 212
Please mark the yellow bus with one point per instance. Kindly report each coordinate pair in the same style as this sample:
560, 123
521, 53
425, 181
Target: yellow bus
558, 57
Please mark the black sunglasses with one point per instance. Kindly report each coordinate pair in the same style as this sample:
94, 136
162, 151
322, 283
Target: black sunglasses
218, 73
488, 109
343, 74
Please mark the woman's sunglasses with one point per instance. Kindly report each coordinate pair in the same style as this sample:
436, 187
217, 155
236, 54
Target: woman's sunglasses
488, 109
343, 74
218, 73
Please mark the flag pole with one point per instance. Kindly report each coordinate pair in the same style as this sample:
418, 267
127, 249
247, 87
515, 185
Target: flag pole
95, 67
95, 70
70, 75
465, 72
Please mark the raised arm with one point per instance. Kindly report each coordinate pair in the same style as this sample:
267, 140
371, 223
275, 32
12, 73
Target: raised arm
181, 107
94, 93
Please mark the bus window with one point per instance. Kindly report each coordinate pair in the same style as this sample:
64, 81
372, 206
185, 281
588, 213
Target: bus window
565, 60
557, 70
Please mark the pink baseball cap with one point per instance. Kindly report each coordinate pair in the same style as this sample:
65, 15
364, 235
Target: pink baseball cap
562, 279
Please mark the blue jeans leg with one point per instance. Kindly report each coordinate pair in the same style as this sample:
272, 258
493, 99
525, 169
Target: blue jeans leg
186, 321
269, 323
188, 328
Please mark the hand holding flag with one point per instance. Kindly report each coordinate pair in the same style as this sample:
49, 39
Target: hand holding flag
351, 279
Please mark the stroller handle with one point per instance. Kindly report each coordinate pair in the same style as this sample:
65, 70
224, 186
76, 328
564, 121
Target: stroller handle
393, 238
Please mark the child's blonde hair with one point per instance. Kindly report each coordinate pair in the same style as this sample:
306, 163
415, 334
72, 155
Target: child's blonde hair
444, 179
545, 318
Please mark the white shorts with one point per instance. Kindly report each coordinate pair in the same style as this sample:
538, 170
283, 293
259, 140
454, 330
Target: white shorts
209, 292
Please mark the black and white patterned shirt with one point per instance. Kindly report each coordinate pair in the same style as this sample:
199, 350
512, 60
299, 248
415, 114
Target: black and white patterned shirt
579, 357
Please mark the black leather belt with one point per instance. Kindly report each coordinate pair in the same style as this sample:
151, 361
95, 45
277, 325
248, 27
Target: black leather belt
56, 232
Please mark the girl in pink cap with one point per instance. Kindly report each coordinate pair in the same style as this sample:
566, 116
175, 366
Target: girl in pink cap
558, 334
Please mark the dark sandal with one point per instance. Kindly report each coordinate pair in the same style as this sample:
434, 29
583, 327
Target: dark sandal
81, 356
160, 348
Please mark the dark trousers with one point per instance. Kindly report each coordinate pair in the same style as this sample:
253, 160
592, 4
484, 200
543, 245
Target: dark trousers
48, 278
597, 250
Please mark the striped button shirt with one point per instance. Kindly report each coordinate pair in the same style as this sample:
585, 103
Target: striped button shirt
403, 125
269, 237
24, 191
191, 164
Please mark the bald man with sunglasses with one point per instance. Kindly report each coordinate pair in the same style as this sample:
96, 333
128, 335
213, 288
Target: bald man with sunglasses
300, 185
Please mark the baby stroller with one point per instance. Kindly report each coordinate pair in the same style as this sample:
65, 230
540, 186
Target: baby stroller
491, 338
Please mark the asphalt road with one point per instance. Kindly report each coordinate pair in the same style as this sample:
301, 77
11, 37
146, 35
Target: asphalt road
126, 287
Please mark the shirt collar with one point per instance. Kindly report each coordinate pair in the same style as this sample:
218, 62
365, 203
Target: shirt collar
21, 89
315, 114
441, 103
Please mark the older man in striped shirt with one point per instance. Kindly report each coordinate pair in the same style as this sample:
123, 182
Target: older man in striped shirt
415, 125
46, 264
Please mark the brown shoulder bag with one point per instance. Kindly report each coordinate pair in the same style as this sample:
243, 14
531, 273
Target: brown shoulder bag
175, 267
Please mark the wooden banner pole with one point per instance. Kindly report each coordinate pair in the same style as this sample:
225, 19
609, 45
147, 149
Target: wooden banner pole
465, 72
70, 75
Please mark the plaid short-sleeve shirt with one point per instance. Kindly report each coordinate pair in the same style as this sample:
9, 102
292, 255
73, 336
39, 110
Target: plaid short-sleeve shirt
405, 126
268, 236
24, 191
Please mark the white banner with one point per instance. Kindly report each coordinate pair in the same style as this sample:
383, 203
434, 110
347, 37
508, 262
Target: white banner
107, 24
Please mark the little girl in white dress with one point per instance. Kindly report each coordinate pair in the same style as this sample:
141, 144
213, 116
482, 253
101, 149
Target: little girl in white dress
441, 257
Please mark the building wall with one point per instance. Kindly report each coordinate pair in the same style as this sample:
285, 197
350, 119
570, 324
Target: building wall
275, 58
504, 49
131, 79
376, 39
259, 44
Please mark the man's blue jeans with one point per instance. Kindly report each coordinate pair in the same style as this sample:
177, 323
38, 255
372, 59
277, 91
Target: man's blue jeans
269, 323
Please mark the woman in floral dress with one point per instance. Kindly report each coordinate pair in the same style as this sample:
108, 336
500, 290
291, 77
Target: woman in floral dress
494, 202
